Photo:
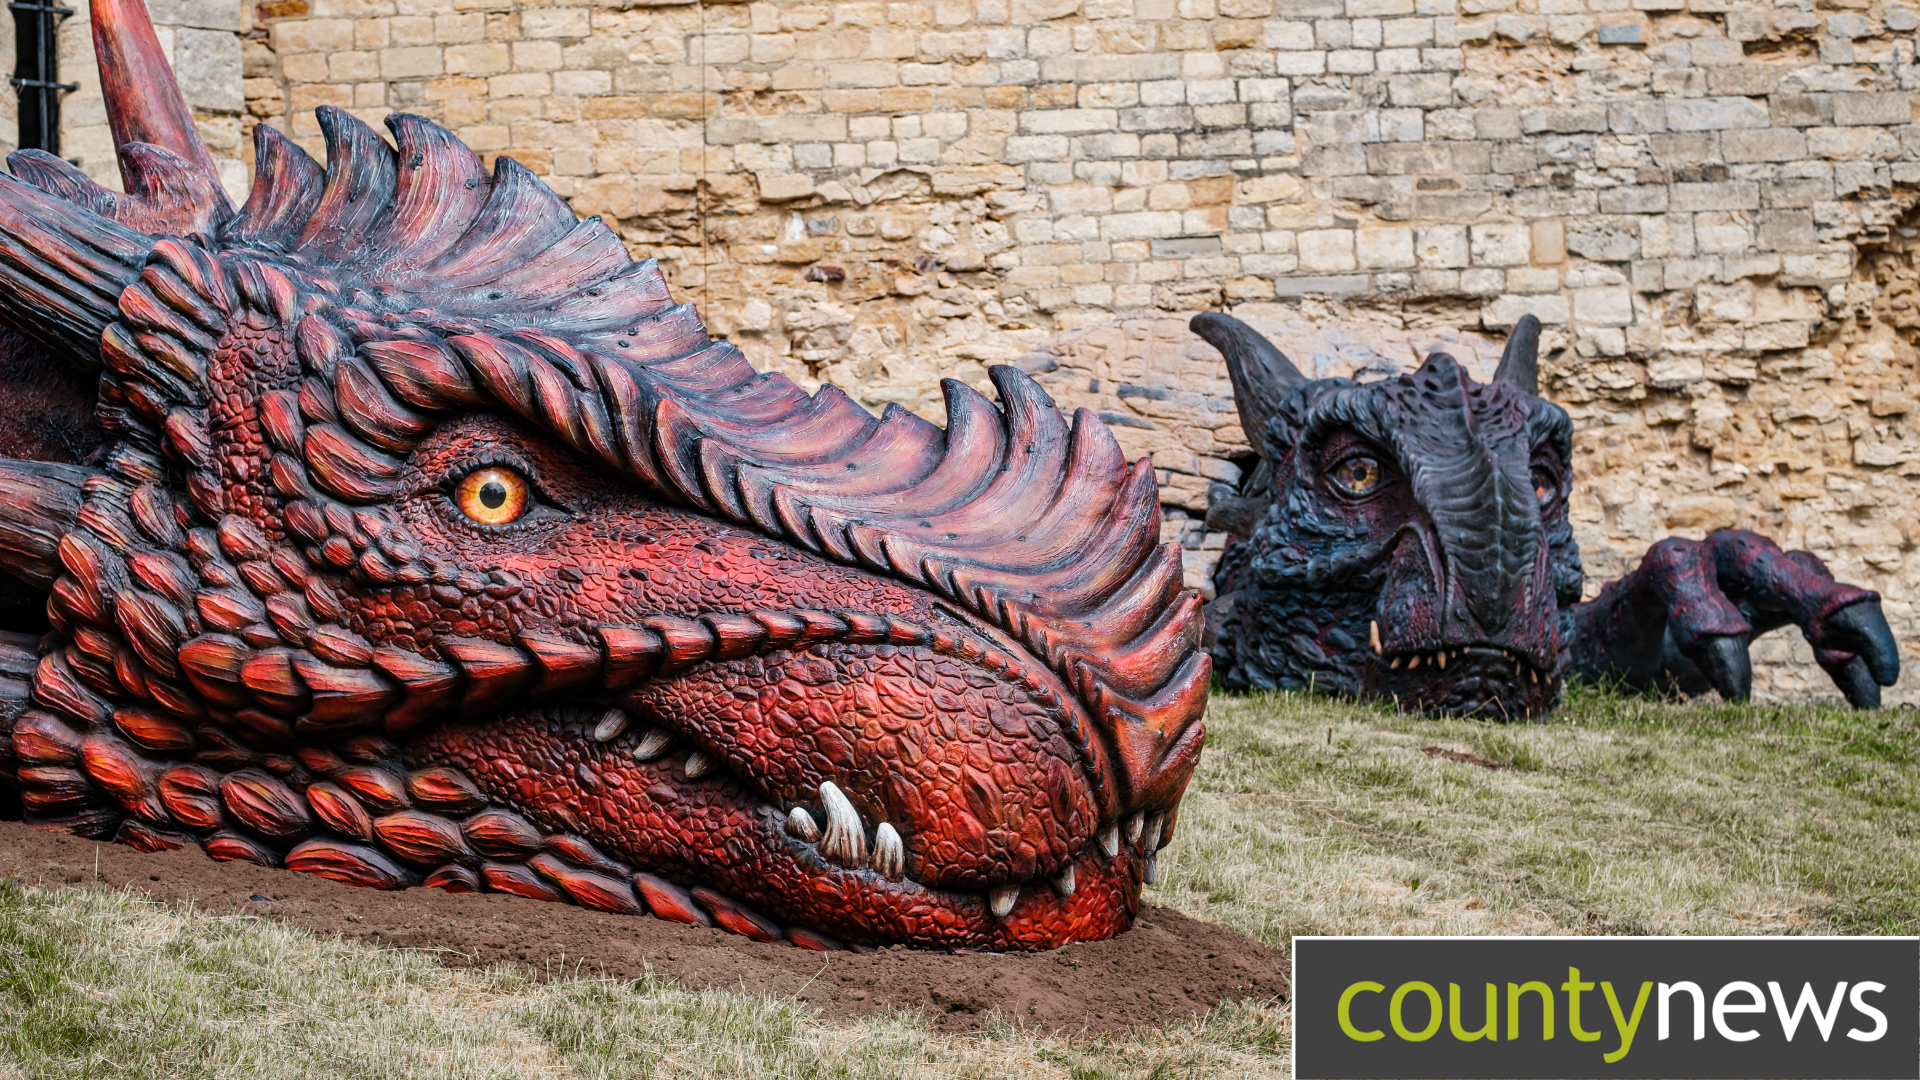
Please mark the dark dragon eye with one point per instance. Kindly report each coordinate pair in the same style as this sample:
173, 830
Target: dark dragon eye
492, 496
1357, 475
1546, 484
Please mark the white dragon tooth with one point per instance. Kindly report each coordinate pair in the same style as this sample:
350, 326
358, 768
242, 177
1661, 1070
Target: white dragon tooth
1155, 825
845, 841
1134, 824
653, 744
698, 765
801, 827
1149, 870
1063, 881
1109, 838
1443, 658
1373, 635
1396, 664
1413, 663
610, 726
889, 854
1000, 899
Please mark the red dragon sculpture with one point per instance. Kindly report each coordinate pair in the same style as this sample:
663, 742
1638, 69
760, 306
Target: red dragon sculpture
428, 541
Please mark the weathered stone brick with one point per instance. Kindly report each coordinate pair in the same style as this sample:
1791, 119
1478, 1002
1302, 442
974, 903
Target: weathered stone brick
1889, 108
1786, 230
1720, 195
1384, 249
1564, 120
1603, 306
1500, 244
1604, 239
1716, 114
1766, 144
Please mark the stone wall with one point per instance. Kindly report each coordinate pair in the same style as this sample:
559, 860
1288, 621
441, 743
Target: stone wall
1709, 202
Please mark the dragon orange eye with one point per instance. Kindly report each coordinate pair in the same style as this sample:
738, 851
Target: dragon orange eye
1545, 484
1357, 475
492, 496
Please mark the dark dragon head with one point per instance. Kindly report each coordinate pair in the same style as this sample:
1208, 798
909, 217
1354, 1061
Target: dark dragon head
429, 541
1407, 539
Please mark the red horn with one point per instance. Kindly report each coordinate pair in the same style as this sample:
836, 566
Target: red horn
144, 103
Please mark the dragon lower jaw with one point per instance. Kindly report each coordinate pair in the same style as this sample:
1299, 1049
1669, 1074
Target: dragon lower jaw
1467, 680
663, 807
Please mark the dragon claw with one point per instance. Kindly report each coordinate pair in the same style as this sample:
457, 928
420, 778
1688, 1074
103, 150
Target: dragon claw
1855, 680
1861, 629
1723, 659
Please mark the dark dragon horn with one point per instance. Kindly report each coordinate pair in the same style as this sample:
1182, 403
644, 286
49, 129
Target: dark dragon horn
1262, 375
62, 270
39, 503
1520, 363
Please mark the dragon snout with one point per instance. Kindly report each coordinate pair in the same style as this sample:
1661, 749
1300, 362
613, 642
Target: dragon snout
1424, 613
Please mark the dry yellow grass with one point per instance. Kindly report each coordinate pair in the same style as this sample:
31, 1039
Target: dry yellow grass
1622, 816
1307, 816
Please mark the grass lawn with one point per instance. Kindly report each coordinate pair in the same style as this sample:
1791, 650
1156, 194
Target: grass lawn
1307, 816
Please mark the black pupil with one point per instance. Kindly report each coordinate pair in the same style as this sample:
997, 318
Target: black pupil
1359, 473
493, 495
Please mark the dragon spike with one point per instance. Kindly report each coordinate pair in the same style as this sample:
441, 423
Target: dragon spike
1520, 362
62, 270
144, 103
1262, 375
39, 503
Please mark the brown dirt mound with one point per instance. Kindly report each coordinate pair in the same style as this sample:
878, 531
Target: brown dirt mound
1167, 966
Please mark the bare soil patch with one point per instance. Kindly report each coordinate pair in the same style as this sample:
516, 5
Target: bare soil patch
1167, 966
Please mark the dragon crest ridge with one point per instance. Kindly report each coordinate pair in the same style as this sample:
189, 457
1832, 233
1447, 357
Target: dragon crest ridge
693, 613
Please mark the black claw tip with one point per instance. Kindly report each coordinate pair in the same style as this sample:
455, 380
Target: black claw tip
1724, 661
1862, 629
1857, 683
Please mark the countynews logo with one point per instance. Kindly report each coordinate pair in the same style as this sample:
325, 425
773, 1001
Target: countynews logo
1553, 1008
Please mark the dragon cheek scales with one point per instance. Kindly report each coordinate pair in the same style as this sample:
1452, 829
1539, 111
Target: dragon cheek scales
430, 542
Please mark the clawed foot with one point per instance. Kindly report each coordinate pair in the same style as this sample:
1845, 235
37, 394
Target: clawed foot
1683, 620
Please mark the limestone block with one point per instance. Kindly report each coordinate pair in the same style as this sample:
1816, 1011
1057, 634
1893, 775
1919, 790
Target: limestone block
1717, 113
1500, 244
1327, 250
1384, 249
204, 14
1603, 306
1441, 246
1874, 108
207, 64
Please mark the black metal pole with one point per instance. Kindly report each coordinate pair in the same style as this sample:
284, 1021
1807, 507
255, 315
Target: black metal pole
36, 73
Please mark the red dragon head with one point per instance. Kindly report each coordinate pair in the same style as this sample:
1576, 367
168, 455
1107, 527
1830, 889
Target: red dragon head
431, 542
